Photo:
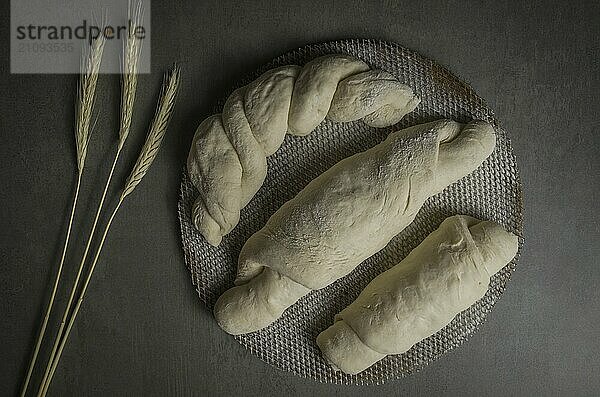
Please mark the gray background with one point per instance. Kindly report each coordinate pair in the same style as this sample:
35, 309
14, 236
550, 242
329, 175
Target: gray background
143, 330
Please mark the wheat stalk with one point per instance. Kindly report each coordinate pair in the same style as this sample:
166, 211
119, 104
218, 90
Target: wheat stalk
131, 49
144, 161
86, 94
131, 53
157, 131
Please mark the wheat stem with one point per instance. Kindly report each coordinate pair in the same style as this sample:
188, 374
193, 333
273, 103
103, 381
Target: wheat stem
86, 95
143, 163
79, 302
63, 322
53, 294
132, 49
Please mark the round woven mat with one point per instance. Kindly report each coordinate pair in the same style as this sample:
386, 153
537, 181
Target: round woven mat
492, 192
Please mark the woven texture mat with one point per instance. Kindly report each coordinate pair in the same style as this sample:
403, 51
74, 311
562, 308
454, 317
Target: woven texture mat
492, 192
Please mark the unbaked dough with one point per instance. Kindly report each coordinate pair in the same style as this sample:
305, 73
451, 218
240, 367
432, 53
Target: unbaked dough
346, 215
448, 272
227, 160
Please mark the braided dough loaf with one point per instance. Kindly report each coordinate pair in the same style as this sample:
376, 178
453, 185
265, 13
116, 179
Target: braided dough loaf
227, 161
345, 215
448, 272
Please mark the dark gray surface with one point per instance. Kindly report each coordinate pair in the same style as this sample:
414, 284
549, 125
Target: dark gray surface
143, 331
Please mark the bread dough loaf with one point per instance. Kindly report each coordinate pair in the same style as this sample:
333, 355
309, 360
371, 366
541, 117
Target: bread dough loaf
448, 272
227, 160
346, 215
